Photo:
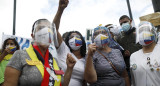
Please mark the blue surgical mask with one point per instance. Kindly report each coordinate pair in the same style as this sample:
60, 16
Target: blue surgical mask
126, 26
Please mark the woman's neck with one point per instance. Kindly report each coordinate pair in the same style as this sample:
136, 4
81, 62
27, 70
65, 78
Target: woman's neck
106, 49
149, 48
77, 53
43, 50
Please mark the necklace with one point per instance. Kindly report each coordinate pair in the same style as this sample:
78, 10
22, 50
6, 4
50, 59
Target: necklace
154, 66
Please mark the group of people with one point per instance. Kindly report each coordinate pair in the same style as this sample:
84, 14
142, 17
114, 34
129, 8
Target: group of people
115, 58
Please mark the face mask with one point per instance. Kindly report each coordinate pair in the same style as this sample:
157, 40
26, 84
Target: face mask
126, 27
146, 38
43, 36
75, 43
115, 31
101, 40
12, 48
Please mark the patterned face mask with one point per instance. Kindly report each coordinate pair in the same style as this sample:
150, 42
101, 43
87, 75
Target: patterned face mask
101, 40
75, 43
146, 38
12, 48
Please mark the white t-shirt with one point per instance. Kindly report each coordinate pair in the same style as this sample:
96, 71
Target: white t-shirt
78, 70
141, 71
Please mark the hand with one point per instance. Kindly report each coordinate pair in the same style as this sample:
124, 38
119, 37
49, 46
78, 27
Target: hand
8, 51
63, 4
92, 48
127, 53
70, 61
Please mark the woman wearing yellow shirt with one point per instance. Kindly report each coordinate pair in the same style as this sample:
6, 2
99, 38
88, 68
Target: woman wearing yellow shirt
9, 46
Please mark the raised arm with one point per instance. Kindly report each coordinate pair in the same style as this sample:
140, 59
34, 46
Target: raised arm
62, 5
90, 72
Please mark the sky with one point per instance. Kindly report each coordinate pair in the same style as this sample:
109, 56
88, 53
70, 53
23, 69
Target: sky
79, 15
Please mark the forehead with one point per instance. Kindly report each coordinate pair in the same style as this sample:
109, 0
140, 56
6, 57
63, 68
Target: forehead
74, 34
10, 41
124, 20
99, 30
42, 24
145, 28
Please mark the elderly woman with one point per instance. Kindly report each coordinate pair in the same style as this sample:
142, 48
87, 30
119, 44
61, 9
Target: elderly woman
35, 66
9, 46
105, 66
145, 63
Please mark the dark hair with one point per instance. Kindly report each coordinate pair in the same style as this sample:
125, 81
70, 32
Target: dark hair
65, 35
109, 26
124, 16
5, 42
38, 21
83, 47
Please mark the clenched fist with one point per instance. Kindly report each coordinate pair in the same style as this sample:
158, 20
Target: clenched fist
92, 48
70, 61
63, 4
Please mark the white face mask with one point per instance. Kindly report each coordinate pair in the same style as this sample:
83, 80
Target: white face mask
75, 43
146, 38
44, 36
115, 30
101, 40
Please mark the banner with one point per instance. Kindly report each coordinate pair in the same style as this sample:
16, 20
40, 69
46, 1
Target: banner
88, 37
23, 42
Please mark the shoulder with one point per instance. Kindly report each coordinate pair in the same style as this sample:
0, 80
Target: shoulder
136, 54
19, 56
115, 51
18, 59
63, 48
157, 46
96, 55
19, 52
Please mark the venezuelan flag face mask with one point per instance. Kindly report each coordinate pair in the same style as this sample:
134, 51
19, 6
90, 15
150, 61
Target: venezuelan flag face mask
146, 38
101, 40
12, 48
75, 43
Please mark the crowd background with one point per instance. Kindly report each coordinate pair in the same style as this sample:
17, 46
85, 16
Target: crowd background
118, 46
